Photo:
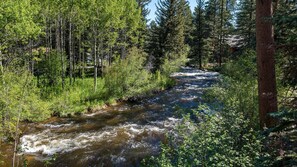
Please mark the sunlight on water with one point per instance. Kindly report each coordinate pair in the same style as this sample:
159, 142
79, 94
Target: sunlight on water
121, 133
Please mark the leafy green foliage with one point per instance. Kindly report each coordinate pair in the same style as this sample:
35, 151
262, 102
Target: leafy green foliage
128, 77
216, 140
17, 20
172, 62
238, 88
239, 96
281, 141
19, 100
77, 98
243, 68
49, 70
227, 134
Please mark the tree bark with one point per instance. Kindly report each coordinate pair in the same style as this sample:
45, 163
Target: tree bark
58, 39
95, 61
83, 63
266, 63
50, 36
70, 54
221, 32
200, 34
1, 65
62, 52
79, 57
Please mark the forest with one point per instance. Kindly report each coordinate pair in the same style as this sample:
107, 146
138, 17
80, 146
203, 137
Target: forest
91, 64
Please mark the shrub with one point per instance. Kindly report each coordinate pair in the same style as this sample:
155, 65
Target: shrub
127, 77
19, 100
243, 68
215, 140
49, 72
241, 97
172, 63
227, 135
163, 81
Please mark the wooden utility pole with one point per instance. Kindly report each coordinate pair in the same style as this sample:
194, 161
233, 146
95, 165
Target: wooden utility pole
266, 63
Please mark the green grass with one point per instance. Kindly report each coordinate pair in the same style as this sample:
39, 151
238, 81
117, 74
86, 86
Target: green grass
81, 97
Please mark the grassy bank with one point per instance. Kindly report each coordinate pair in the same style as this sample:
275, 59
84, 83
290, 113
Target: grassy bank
26, 97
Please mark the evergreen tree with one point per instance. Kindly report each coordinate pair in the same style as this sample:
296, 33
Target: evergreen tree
171, 29
285, 26
153, 44
246, 22
144, 11
143, 31
188, 18
211, 15
219, 16
198, 47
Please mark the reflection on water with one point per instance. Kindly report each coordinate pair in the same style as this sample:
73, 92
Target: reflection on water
120, 135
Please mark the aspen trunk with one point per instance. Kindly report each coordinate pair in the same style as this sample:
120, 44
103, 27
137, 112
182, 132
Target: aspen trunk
95, 63
62, 52
58, 43
70, 54
79, 57
83, 63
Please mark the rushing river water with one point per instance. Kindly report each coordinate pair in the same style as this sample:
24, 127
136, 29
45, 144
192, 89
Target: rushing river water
121, 135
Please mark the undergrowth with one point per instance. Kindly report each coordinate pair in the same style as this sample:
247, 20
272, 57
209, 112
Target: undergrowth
26, 97
229, 134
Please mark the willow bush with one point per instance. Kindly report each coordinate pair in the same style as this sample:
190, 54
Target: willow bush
19, 100
128, 77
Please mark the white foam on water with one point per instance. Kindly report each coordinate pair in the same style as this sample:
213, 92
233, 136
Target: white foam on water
178, 74
174, 119
198, 74
95, 113
123, 108
169, 123
190, 98
117, 159
49, 143
135, 145
58, 126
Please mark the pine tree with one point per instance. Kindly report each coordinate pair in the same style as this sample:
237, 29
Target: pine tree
153, 44
246, 22
198, 45
143, 30
266, 64
219, 16
171, 29
144, 11
211, 15
188, 18
285, 27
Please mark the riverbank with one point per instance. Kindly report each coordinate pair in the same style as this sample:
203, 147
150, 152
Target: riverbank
93, 109
121, 134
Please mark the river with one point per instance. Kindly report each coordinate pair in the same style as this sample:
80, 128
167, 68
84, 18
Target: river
120, 135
